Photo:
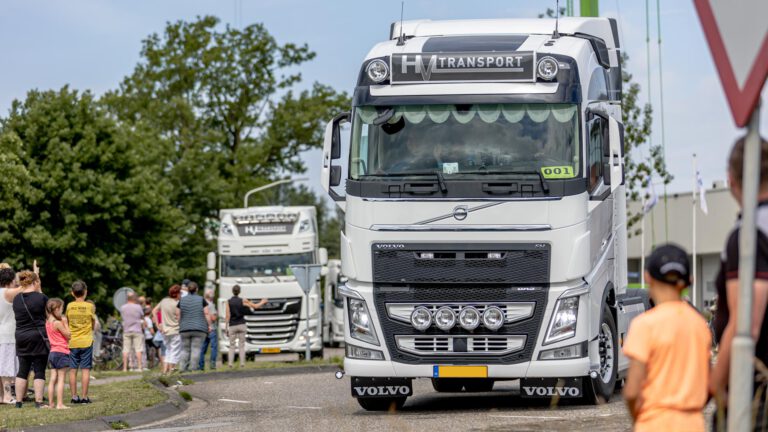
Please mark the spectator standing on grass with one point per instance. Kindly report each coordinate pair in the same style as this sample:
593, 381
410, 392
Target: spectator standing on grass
727, 286
31, 341
185, 287
237, 309
9, 364
133, 330
58, 359
193, 325
81, 316
149, 334
168, 324
669, 350
213, 337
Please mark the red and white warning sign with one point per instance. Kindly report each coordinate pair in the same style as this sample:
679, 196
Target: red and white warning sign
737, 33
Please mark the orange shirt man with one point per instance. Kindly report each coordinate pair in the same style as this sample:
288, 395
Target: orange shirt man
669, 351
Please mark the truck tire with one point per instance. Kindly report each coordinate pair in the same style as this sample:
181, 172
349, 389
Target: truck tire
478, 385
643, 294
381, 404
447, 385
603, 386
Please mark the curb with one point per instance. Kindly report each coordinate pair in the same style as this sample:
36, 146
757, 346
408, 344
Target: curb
175, 404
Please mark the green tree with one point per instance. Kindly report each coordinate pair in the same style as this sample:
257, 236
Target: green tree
222, 104
85, 197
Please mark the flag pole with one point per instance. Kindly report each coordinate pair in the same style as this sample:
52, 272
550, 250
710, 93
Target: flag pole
642, 245
694, 278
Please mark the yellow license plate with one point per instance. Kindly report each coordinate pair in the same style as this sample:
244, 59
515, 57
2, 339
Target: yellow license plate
270, 350
460, 372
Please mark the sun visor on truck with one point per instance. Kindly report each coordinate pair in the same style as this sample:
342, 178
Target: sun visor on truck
415, 68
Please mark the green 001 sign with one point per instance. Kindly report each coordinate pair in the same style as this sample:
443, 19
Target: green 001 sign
557, 172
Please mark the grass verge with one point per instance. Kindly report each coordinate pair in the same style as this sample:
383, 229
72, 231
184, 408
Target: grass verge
108, 399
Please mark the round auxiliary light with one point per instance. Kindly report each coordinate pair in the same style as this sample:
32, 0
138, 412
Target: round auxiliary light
547, 68
445, 318
469, 318
421, 318
493, 318
377, 70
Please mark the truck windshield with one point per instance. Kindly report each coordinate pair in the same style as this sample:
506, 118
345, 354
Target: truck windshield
465, 141
261, 265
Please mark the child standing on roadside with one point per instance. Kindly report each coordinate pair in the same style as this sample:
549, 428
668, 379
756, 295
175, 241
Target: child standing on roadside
82, 317
669, 349
58, 359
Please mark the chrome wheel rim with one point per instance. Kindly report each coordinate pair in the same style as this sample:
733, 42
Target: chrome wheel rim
606, 353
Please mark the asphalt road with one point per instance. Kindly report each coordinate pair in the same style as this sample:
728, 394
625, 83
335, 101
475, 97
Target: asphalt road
320, 402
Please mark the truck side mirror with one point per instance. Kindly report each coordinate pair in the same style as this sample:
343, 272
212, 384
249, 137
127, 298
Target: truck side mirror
335, 175
331, 174
210, 276
322, 256
615, 162
210, 261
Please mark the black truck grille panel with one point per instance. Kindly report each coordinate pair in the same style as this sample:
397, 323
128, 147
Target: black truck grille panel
447, 264
432, 293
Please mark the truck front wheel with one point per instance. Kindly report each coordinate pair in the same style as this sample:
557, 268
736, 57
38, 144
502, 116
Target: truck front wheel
381, 404
604, 383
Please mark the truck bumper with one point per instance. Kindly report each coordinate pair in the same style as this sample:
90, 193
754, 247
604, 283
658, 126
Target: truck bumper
534, 369
297, 344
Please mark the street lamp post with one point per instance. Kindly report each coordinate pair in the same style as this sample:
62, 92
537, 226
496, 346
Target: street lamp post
271, 185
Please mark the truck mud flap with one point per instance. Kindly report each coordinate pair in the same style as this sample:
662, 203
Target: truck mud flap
378, 387
551, 387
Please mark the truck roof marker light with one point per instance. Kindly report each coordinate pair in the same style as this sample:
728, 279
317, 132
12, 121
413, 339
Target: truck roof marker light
547, 68
445, 318
421, 318
469, 318
493, 318
377, 70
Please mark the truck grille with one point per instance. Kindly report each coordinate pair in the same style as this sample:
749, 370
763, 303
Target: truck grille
452, 345
275, 323
513, 343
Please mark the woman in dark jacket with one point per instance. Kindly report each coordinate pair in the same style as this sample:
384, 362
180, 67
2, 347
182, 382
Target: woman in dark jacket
31, 341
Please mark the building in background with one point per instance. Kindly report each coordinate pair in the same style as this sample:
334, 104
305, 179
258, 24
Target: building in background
711, 232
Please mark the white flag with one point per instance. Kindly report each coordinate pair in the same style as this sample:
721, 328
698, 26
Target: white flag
652, 199
702, 193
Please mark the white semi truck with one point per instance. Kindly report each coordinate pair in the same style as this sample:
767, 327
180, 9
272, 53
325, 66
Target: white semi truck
485, 233
256, 246
333, 305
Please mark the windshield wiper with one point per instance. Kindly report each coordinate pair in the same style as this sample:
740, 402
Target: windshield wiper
437, 173
544, 184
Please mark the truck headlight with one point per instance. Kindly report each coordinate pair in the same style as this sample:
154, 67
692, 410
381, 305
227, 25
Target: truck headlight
377, 71
421, 318
304, 226
305, 333
360, 325
547, 68
493, 318
445, 318
226, 229
563, 323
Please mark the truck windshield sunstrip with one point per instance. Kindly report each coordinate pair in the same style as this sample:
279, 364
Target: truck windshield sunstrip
465, 141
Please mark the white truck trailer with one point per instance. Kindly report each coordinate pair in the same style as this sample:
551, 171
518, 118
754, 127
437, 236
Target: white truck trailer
333, 305
256, 246
485, 234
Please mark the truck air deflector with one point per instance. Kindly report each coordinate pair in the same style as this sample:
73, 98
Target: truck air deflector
478, 43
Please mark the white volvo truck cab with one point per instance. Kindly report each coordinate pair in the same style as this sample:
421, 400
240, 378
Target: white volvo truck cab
333, 305
256, 246
485, 234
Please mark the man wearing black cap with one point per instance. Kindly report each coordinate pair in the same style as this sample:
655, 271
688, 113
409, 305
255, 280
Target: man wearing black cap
669, 350
727, 285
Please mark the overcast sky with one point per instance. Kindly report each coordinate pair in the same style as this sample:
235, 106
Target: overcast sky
93, 44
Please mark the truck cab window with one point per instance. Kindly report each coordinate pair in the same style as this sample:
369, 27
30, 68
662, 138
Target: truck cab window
596, 130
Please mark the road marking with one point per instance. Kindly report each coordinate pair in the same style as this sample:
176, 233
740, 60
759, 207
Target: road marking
301, 407
528, 417
186, 428
268, 382
235, 401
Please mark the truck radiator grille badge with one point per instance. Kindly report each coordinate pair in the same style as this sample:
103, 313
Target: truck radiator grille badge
274, 324
461, 345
